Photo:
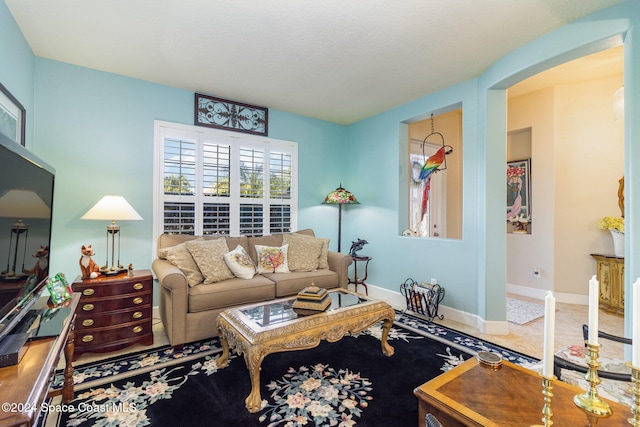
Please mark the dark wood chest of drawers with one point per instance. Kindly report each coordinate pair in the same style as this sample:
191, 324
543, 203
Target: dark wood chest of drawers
114, 312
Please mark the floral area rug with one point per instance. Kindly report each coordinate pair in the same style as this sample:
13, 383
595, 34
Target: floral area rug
346, 383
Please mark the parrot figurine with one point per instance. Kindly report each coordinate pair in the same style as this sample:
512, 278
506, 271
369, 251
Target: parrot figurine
430, 166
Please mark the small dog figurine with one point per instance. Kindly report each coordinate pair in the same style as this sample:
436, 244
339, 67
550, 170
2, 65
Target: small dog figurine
356, 246
88, 267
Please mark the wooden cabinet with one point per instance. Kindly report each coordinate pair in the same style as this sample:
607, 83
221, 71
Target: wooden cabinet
610, 274
114, 312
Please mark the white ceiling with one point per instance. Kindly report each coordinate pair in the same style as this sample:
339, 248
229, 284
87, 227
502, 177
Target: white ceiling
335, 60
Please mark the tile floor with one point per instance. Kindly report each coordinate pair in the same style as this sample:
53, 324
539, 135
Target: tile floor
529, 338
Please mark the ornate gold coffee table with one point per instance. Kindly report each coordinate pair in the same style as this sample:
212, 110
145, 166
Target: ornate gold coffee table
257, 330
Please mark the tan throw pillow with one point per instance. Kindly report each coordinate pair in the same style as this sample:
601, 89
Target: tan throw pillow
272, 259
304, 251
240, 264
180, 256
323, 262
209, 255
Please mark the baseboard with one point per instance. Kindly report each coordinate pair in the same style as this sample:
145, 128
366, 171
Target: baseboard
397, 301
561, 297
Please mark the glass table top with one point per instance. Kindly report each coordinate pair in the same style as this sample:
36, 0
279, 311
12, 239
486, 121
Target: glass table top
276, 312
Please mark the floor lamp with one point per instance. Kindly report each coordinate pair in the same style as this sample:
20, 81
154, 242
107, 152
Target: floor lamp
340, 197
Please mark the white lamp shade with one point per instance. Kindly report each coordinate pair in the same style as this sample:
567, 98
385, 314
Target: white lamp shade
23, 204
112, 208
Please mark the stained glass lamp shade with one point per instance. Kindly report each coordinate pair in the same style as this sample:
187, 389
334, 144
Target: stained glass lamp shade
340, 197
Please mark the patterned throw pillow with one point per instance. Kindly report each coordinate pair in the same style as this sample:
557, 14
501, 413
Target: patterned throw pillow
240, 263
272, 259
209, 255
304, 251
180, 256
323, 262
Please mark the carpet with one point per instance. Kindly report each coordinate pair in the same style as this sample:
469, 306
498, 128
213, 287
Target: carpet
346, 383
522, 312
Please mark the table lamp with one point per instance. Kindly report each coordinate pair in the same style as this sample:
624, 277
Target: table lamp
340, 197
20, 204
112, 208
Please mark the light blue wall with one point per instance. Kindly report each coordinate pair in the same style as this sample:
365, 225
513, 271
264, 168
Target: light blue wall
96, 129
373, 179
16, 66
474, 270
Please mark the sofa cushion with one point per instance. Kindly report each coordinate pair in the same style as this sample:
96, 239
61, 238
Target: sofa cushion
304, 251
274, 240
166, 240
291, 283
180, 256
230, 293
209, 255
272, 259
323, 262
240, 263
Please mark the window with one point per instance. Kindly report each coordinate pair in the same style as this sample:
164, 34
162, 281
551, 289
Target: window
216, 182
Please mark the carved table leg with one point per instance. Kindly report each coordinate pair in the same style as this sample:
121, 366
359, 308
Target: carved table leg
387, 350
67, 388
253, 358
223, 360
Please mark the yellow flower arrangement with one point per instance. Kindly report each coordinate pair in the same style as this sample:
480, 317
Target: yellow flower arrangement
612, 223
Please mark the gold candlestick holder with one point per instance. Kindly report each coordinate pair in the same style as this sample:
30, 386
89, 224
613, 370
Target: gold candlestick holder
547, 413
593, 406
635, 390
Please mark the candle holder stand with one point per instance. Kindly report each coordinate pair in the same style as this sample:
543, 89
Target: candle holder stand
635, 390
547, 391
593, 406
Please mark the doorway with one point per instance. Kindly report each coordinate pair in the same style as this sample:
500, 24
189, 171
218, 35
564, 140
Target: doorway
570, 112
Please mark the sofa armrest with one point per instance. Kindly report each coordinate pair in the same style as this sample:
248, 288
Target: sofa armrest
340, 263
173, 299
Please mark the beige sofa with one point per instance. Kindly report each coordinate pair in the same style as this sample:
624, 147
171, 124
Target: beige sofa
190, 300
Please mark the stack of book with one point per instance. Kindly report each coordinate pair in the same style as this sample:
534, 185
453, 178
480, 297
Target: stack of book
311, 300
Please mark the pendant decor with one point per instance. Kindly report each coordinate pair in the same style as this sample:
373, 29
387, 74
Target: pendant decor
230, 115
432, 164
618, 243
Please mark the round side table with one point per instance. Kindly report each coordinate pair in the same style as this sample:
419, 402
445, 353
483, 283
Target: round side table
356, 280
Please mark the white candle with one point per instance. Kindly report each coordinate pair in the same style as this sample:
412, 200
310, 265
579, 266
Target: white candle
549, 325
635, 325
594, 291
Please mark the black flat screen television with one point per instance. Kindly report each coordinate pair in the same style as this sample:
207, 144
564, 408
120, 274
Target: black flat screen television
26, 202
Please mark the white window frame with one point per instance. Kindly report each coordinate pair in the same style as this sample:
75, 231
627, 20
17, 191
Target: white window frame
236, 140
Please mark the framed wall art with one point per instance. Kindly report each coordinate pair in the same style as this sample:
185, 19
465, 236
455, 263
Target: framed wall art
12, 116
230, 115
519, 189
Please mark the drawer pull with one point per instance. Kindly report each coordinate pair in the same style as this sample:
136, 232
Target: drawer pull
87, 322
88, 307
88, 292
138, 286
87, 338
138, 300
137, 315
137, 329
